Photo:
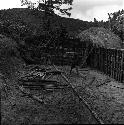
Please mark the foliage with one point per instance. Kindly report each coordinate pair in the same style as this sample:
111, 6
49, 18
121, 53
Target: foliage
100, 37
116, 20
24, 22
49, 6
29, 4
15, 30
33, 19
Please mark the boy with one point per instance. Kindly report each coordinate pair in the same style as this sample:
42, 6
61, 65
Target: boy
75, 62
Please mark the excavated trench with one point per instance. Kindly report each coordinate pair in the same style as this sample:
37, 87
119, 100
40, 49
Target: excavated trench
30, 100
43, 102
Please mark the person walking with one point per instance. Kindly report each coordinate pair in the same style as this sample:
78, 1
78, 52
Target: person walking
75, 60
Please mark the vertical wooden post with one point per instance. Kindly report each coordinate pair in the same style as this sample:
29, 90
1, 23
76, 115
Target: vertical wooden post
102, 59
115, 65
114, 62
117, 62
111, 63
119, 68
105, 61
122, 67
108, 55
99, 59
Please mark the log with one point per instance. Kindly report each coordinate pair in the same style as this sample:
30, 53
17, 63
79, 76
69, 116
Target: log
30, 95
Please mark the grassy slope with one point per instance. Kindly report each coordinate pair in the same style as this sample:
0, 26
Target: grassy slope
35, 18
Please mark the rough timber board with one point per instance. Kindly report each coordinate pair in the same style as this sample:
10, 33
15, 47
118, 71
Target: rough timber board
106, 100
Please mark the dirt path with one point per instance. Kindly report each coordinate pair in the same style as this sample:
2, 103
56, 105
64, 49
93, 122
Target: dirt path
61, 107
104, 95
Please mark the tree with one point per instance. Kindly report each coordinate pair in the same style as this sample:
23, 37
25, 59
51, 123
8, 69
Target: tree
116, 21
29, 4
50, 7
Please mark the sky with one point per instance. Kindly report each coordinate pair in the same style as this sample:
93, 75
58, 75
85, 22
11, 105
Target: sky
85, 10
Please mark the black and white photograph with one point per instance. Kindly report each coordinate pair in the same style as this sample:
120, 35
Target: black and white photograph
61, 62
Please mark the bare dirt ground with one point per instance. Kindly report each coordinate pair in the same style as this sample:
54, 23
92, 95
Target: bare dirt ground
62, 106
103, 94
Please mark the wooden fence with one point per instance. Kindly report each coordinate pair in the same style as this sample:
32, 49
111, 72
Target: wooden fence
109, 61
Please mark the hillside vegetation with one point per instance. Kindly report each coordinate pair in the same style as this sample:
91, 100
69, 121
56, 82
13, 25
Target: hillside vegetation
25, 27
100, 36
34, 18
10, 60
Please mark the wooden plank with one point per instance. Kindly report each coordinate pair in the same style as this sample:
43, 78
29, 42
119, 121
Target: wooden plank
106, 68
102, 60
115, 65
109, 62
31, 96
113, 61
121, 65
99, 59
118, 65
105, 63
122, 79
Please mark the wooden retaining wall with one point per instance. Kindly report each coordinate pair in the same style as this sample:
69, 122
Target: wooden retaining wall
109, 61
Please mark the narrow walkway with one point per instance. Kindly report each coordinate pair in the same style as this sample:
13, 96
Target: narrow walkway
61, 107
103, 94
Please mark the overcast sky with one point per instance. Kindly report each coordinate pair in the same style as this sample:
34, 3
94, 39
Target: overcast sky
82, 9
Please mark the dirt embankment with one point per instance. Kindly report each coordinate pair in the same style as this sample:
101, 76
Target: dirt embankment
10, 60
